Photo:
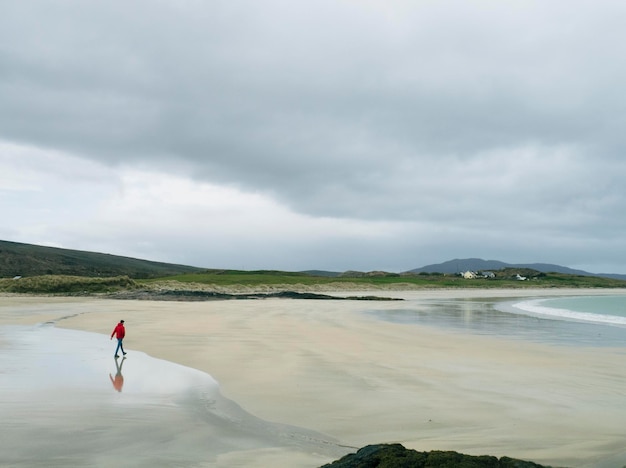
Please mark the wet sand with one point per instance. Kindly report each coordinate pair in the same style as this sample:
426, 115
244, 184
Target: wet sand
67, 402
328, 367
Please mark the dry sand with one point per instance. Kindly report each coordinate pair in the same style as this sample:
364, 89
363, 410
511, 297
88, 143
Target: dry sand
325, 366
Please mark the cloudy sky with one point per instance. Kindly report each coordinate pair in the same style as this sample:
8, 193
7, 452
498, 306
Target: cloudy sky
326, 134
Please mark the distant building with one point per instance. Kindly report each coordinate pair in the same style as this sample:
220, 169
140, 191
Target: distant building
520, 278
17, 277
489, 274
468, 274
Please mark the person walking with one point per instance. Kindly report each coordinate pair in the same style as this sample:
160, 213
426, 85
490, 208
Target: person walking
119, 331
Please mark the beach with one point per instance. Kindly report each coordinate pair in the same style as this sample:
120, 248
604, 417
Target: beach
334, 368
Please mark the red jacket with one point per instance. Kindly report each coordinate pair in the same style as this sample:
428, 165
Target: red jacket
119, 331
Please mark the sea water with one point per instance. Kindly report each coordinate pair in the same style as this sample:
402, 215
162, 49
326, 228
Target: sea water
598, 320
607, 310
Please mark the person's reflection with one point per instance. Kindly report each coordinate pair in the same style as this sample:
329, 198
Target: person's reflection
118, 381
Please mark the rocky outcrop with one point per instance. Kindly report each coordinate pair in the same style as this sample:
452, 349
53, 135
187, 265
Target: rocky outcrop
397, 456
200, 295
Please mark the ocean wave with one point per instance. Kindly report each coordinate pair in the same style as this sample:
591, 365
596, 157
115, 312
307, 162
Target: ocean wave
536, 307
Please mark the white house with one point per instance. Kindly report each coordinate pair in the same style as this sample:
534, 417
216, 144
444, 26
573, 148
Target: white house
468, 274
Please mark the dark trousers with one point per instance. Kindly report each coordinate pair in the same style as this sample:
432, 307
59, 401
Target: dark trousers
119, 346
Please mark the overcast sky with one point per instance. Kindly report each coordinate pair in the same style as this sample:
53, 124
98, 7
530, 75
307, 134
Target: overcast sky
326, 134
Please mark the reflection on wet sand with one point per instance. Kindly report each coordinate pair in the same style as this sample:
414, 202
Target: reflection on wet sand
118, 380
74, 421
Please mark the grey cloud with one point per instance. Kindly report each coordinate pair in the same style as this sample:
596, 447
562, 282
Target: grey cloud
476, 113
446, 85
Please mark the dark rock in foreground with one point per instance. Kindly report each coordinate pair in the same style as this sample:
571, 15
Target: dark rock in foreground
396, 456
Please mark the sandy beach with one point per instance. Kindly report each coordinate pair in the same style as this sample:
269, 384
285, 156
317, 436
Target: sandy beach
332, 368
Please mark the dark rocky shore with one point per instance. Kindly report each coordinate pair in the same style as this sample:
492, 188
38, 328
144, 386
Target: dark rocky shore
397, 456
199, 295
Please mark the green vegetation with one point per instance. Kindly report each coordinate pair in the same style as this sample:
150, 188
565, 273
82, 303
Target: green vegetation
34, 260
279, 280
47, 270
246, 278
58, 284
503, 279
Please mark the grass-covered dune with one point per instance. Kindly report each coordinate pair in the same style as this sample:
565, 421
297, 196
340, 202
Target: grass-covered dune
246, 282
28, 268
381, 280
60, 284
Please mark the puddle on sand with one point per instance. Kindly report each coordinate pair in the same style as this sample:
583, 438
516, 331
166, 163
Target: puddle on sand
65, 401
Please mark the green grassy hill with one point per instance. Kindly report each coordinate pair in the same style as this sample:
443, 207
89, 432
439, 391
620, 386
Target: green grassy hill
17, 259
59, 271
505, 278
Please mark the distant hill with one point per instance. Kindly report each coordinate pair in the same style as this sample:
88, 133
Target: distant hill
17, 259
323, 273
478, 264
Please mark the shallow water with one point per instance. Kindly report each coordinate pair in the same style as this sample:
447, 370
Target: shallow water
507, 319
65, 401
606, 310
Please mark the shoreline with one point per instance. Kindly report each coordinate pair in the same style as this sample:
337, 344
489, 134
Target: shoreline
327, 367
299, 291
